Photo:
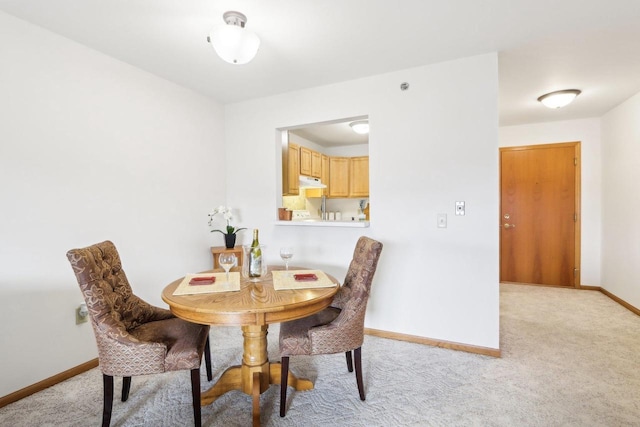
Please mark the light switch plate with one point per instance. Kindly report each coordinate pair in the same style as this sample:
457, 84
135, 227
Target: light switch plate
459, 208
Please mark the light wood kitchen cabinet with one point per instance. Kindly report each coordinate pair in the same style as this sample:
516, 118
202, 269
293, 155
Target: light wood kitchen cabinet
344, 176
359, 176
310, 162
305, 161
338, 177
316, 165
292, 182
324, 173
348, 177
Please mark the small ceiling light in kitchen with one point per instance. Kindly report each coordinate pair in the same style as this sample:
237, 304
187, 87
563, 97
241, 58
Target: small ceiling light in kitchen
233, 42
560, 98
360, 126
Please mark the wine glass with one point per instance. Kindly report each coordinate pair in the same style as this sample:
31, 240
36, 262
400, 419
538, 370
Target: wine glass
227, 260
286, 254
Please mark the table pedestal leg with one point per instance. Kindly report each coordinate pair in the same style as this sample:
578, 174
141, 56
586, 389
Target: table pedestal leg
300, 384
255, 366
230, 380
255, 374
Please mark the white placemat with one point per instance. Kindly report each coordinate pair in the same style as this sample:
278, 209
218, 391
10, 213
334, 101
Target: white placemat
220, 285
285, 280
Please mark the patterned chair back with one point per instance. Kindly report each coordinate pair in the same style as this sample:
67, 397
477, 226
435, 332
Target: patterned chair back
346, 331
114, 310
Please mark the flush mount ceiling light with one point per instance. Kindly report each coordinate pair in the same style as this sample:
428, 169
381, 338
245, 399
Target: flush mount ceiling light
233, 42
559, 98
360, 126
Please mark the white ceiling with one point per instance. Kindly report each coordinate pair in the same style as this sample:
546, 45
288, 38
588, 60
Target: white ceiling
334, 134
543, 45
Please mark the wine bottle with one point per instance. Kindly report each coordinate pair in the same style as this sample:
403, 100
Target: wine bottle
255, 257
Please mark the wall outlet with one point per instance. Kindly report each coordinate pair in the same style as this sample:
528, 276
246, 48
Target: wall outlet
459, 208
82, 315
442, 220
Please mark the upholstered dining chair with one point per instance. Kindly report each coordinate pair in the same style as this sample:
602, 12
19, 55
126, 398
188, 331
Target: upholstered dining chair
338, 328
134, 337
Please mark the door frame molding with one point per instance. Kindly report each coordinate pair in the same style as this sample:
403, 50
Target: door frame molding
578, 228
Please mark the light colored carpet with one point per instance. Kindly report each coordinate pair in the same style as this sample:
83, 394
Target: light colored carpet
569, 358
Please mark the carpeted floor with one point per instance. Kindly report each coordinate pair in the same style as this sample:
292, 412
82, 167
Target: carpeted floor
569, 358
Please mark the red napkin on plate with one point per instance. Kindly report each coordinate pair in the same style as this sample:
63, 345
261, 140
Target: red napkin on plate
202, 280
306, 277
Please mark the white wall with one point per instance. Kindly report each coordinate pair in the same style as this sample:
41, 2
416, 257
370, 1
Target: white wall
429, 146
621, 204
587, 131
92, 149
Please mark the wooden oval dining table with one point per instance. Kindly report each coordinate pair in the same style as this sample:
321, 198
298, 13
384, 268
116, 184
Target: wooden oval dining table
253, 308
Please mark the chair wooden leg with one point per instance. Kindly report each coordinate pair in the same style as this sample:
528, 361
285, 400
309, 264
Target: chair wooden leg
195, 394
349, 361
207, 359
358, 362
284, 376
126, 386
107, 381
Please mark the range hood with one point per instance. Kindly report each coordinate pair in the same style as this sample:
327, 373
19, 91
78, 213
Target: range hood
310, 182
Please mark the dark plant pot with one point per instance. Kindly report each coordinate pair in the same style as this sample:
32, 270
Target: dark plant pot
230, 240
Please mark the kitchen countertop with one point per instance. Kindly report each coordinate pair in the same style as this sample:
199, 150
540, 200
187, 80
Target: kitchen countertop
320, 223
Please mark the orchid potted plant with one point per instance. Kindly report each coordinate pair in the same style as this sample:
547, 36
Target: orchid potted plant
230, 235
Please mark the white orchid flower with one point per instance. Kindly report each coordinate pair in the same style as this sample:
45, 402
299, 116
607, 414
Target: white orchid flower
228, 216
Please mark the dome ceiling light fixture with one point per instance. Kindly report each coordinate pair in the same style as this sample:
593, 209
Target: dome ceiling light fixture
233, 42
559, 98
360, 126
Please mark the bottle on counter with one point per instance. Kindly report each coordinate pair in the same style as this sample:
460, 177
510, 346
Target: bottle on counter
255, 257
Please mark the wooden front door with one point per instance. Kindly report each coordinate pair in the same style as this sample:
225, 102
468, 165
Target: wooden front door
539, 214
